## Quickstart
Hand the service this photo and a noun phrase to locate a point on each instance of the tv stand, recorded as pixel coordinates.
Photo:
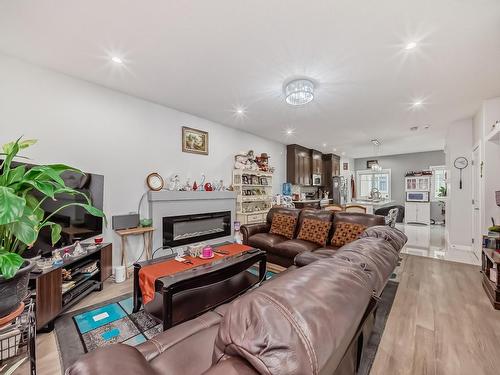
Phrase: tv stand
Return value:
(47, 286)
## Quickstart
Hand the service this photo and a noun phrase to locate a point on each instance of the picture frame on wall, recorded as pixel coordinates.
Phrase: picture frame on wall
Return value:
(345, 166)
(369, 163)
(194, 141)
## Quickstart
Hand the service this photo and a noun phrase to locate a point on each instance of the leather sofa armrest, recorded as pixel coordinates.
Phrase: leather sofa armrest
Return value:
(307, 257)
(248, 230)
(231, 366)
(112, 360)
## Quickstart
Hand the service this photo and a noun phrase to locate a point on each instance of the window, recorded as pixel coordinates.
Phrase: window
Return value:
(438, 184)
(368, 180)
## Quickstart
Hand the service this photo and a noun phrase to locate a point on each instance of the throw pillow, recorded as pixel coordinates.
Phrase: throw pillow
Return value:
(314, 231)
(346, 232)
(284, 225)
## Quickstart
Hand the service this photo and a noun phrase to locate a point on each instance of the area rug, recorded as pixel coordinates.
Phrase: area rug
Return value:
(112, 321)
(383, 310)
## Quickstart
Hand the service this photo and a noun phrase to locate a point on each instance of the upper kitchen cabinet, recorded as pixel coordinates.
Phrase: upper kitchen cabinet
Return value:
(331, 167)
(317, 162)
(298, 165)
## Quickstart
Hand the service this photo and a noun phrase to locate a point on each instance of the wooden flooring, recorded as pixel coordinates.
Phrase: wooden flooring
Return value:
(441, 323)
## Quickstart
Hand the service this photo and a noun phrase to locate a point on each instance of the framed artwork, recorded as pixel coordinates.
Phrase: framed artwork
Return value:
(369, 163)
(345, 166)
(194, 141)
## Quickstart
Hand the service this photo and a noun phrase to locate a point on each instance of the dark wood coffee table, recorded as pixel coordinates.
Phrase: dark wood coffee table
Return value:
(184, 295)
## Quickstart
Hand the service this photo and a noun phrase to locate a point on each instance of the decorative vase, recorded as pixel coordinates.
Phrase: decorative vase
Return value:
(14, 291)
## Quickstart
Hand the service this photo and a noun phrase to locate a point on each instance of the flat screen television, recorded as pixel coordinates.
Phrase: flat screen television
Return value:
(77, 224)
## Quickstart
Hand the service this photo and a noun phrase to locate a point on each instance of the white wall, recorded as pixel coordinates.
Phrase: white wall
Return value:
(122, 137)
(486, 116)
(459, 141)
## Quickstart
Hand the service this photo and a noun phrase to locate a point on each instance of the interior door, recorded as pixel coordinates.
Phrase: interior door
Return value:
(476, 202)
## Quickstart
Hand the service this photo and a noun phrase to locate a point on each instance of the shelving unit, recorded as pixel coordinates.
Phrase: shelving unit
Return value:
(254, 198)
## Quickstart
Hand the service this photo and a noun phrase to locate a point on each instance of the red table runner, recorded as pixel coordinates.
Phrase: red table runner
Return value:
(149, 274)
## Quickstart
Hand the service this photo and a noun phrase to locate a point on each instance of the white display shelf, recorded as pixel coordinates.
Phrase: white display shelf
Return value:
(494, 135)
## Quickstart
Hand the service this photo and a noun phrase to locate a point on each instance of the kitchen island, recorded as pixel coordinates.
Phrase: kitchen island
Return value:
(373, 205)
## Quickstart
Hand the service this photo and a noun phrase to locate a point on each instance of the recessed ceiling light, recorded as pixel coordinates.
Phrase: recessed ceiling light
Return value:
(410, 45)
(375, 142)
(240, 111)
(343, 153)
(117, 60)
(414, 128)
(290, 131)
(427, 126)
(324, 144)
(417, 103)
(334, 149)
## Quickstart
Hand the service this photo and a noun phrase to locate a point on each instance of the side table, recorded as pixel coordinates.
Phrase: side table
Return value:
(147, 236)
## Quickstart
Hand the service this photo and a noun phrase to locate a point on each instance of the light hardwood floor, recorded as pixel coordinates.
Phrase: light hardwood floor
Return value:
(441, 323)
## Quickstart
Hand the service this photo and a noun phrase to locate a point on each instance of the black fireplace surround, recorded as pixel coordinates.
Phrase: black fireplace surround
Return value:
(187, 229)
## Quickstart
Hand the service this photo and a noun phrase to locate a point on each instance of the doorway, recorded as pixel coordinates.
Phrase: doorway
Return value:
(477, 239)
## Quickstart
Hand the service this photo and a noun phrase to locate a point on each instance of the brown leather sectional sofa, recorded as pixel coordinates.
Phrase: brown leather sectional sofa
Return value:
(313, 319)
(281, 250)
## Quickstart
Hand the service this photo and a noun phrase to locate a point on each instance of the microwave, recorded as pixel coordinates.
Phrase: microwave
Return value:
(417, 196)
(316, 179)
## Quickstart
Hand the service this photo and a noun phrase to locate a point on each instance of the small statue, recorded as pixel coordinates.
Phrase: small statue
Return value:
(174, 183)
(208, 187)
(202, 182)
(187, 186)
(263, 162)
(195, 186)
(245, 161)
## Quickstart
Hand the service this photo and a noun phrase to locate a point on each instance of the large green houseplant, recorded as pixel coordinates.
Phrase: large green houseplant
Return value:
(21, 215)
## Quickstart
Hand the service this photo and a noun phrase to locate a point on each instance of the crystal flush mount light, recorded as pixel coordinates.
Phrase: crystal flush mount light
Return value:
(299, 92)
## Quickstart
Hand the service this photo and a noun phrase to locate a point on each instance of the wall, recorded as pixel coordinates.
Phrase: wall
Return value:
(120, 136)
(400, 164)
(459, 142)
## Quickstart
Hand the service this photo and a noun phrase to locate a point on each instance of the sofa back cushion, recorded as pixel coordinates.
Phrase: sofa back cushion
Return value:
(281, 210)
(346, 232)
(315, 231)
(367, 220)
(283, 225)
(299, 323)
(394, 236)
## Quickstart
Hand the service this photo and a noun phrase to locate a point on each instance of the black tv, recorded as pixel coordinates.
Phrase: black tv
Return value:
(77, 224)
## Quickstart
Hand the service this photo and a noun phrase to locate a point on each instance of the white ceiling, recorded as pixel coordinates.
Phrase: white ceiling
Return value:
(208, 57)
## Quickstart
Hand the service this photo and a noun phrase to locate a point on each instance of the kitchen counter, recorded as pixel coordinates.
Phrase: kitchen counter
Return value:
(372, 206)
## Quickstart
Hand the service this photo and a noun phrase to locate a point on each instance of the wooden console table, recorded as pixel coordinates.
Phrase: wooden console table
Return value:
(147, 236)
(490, 260)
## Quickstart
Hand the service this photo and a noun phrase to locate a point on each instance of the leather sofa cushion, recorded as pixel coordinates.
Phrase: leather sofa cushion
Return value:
(358, 218)
(284, 225)
(346, 232)
(394, 236)
(305, 258)
(291, 307)
(315, 231)
(291, 248)
(265, 241)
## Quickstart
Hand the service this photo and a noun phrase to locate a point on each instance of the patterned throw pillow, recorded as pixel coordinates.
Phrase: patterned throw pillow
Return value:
(314, 231)
(346, 232)
(284, 225)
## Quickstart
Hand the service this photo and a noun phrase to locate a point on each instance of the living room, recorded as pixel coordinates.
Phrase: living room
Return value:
(247, 166)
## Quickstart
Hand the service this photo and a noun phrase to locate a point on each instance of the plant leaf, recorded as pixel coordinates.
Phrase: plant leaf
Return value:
(25, 228)
(44, 172)
(55, 234)
(32, 203)
(15, 175)
(46, 188)
(9, 264)
(11, 204)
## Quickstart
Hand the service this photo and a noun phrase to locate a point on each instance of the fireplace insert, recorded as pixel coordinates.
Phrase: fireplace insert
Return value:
(186, 229)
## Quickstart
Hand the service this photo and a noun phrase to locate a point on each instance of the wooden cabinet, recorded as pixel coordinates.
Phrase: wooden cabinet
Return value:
(317, 162)
(298, 165)
(331, 167)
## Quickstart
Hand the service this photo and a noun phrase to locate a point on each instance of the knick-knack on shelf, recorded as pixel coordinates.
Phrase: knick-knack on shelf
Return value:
(195, 186)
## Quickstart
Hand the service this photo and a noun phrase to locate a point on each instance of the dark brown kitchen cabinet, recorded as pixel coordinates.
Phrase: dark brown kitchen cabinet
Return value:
(331, 167)
(317, 162)
(298, 165)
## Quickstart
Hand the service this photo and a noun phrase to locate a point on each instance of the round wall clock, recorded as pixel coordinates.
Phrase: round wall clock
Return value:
(461, 163)
(154, 181)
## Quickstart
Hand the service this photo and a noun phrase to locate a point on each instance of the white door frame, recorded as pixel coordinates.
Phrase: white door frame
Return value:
(476, 226)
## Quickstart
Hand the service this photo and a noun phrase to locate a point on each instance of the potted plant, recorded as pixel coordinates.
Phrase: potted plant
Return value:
(22, 218)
